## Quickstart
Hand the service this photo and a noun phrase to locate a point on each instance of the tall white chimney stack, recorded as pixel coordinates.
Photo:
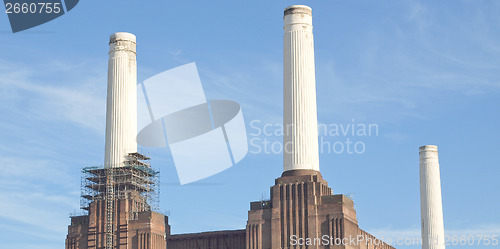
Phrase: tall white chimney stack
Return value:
(430, 199)
(121, 109)
(300, 140)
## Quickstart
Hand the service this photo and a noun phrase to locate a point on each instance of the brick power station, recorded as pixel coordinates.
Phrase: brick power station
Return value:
(120, 196)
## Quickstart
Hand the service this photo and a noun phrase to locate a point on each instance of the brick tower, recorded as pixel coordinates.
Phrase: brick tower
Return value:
(120, 196)
(302, 212)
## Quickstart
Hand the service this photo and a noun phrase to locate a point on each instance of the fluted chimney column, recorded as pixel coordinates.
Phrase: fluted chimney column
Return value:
(121, 108)
(430, 199)
(300, 140)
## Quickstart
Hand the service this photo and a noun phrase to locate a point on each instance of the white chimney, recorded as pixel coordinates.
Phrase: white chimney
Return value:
(300, 140)
(121, 108)
(430, 199)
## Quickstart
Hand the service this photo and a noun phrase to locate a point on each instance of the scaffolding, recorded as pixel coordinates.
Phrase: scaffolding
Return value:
(134, 179)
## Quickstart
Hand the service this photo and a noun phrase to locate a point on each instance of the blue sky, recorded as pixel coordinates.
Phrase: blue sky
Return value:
(425, 72)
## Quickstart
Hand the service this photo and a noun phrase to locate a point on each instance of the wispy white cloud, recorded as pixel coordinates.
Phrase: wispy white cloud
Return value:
(425, 54)
(36, 197)
(44, 107)
(56, 91)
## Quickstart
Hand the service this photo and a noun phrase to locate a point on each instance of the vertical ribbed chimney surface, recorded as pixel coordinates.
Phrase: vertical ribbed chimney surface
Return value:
(300, 140)
(121, 108)
(430, 199)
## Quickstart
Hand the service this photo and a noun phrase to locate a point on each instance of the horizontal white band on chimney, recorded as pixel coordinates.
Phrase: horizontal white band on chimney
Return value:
(430, 199)
(300, 138)
(121, 108)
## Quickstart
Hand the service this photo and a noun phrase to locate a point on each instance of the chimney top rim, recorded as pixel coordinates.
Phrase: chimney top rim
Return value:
(428, 148)
(122, 36)
(298, 9)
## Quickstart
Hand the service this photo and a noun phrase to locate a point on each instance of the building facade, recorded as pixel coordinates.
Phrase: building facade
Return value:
(301, 213)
